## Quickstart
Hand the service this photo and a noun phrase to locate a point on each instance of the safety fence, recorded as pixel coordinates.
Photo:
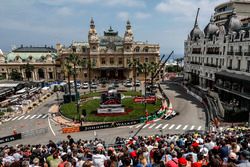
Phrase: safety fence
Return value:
(10, 138)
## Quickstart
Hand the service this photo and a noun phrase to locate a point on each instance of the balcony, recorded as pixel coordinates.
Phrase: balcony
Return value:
(230, 53)
(192, 62)
(210, 65)
(213, 53)
(247, 54)
(238, 53)
(196, 52)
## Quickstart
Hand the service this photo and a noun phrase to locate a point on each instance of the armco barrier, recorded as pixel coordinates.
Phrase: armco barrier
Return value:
(10, 138)
(109, 125)
(71, 129)
(94, 127)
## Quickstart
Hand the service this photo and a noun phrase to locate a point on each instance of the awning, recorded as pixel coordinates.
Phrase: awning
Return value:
(225, 74)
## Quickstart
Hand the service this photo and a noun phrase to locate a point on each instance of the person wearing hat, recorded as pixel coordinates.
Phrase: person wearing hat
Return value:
(244, 159)
(182, 162)
(174, 161)
(36, 162)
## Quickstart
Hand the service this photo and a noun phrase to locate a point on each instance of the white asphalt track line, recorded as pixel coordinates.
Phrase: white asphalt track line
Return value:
(145, 126)
(32, 116)
(192, 127)
(185, 127)
(45, 116)
(51, 128)
(20, 117)
(164, 126)
(171, 126)
(199, 128)
(157, 127)
(27, 116)
(14, 118)
(6, 120)
(38, 116)
(152, 126)
(178, 127)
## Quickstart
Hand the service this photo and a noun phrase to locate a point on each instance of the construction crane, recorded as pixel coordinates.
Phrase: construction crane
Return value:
(161, 66)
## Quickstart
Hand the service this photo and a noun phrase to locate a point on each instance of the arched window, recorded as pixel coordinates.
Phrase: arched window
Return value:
(145, 49)
(137, 49)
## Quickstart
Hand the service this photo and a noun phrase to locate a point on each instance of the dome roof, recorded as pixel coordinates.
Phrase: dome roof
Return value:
(211, 28)
(234, 23)
(196, 32)
(111, 36)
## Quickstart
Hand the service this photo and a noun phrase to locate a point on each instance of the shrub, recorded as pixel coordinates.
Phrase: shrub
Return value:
(29, 108)
(34, 104)
(48, 95)
(40, 101)
(9, 109)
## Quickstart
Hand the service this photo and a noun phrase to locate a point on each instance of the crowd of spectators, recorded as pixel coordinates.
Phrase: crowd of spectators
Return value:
(204, 149)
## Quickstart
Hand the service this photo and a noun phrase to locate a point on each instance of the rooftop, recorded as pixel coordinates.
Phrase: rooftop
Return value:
(44, 49)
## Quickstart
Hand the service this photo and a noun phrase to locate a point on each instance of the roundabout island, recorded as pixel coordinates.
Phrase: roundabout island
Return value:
(132, 108)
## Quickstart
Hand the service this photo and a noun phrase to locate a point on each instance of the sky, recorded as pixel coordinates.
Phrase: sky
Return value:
(47, 22)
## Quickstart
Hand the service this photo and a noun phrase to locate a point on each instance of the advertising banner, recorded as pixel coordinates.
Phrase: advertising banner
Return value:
(10, 138)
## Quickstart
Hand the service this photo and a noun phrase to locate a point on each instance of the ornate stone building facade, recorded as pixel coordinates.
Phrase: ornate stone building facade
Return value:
(108, 56)
(43, 59)
(218, 58)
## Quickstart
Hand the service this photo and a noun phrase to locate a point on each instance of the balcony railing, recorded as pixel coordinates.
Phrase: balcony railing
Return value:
(230, 53)
(210, 65)
(192, 62)
(247, 53)
(238, 53)
(213, 53)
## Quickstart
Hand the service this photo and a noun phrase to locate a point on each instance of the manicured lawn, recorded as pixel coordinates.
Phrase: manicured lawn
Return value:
(69, 110)
(131, 93)
(94, 94)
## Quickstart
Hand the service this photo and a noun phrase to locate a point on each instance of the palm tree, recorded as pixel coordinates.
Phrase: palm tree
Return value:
(16, 76)
(144, 68)
(178, 61)
(152, 68)
(135, 65)
(28, 68)
(74, 59)
(87, 63)
(69, 73)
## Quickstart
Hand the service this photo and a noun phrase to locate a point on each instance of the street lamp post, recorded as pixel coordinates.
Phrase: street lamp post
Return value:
(78, 110)
(233, 104)
(145, 98)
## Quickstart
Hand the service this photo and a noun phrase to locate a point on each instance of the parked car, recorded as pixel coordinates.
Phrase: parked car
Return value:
(93, 85)
(85, 85)
(137, 83)
(128, 84)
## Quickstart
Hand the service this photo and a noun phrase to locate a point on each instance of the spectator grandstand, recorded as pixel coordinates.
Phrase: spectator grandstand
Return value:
(193, 149)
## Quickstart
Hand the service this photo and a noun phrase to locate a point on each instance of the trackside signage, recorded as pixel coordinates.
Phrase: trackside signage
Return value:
(109, 125)
(10, 138)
